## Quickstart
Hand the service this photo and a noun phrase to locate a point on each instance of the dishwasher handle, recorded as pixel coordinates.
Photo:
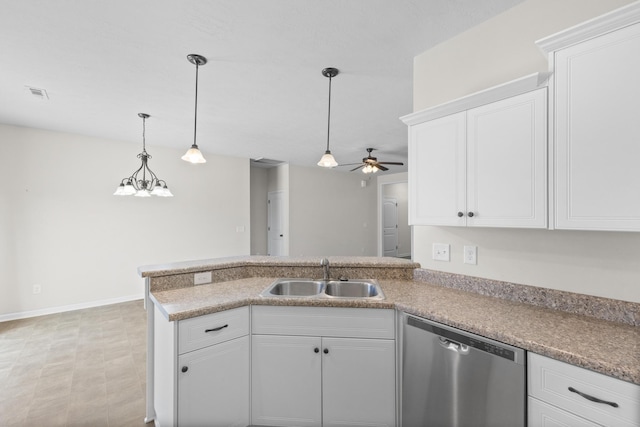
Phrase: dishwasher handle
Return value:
(453, 345)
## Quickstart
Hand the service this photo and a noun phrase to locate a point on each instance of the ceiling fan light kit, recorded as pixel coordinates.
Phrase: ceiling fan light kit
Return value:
(148, 185)
(193, 155)
(327, 160)
(371, 164)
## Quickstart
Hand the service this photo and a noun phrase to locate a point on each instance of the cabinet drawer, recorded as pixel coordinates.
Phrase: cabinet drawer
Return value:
(323, 321)
(544, 415)
(553, 381)
(203, 331)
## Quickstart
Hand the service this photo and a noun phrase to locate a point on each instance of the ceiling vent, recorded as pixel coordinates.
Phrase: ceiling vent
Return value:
(37, 93)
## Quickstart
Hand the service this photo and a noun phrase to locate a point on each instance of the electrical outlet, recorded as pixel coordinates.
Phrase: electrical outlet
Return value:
(202, 278)
(470, 255)
(37, 289)
(441, 252)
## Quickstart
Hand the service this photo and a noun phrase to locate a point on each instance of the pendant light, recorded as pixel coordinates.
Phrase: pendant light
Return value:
(193, 155)
(327, 160)
(148, 184)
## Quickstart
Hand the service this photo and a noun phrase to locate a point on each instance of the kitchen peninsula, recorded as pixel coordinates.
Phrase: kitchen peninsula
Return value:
(576, 329)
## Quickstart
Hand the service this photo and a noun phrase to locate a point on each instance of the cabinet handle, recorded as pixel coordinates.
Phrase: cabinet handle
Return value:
(593, 399)
(316, 350)
(185, 368)
(325, 351)
(216, 329)
(460, 214)
(470, 214)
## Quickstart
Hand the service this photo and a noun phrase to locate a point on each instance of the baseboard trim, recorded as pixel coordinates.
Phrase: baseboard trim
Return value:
(64, 308)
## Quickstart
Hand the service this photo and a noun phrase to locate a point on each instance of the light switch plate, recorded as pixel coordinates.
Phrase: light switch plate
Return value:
(202, 278)
(470, 255)
(441, 252)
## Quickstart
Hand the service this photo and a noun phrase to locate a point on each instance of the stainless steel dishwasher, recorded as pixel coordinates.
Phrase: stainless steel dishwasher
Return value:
(451, 378)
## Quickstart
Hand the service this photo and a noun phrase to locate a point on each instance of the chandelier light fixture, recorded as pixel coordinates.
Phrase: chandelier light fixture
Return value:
(193, 155)
(327, 160)
(143, 182)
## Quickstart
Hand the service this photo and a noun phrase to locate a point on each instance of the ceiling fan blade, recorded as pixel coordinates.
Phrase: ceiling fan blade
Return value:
(355, 169)
(391, 163)
(382, 168)
(349, 164)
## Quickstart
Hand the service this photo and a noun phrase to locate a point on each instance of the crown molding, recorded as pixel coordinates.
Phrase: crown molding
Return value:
(616, 19)
(496, 93)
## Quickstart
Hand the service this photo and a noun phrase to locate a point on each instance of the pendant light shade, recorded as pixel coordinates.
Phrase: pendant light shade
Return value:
(327, 160)
(143, 182)
(193, 155)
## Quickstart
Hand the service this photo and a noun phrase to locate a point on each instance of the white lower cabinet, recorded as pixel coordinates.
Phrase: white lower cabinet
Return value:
(561, 394)
(544, 415)
(213, 385)
(201, 370)
(337, 370)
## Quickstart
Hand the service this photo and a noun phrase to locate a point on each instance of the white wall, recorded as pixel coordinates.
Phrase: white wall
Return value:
(501, 49)
(331, 213)
(61, 227)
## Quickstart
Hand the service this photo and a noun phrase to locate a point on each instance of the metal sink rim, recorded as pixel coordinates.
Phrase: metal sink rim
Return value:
(322, 294)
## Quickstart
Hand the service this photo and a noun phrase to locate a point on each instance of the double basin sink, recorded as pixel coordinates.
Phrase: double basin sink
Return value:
(313, 288)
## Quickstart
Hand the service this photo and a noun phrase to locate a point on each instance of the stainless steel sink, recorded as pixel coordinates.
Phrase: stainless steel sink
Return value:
(324, 289)
(352, 289)
(295, 288)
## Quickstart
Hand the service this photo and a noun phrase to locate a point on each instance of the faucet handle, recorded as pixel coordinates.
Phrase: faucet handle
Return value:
(324, 261)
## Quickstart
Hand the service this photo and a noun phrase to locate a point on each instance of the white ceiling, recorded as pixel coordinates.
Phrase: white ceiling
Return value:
(261, 94)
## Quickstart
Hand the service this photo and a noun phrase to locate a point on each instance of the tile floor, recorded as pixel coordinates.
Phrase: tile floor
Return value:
(79, 368)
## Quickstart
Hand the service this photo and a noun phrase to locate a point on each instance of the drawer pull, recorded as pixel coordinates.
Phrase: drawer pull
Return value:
(593, 399)
(219, 328)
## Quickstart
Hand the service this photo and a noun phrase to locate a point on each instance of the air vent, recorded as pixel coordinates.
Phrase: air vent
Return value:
(37, 93)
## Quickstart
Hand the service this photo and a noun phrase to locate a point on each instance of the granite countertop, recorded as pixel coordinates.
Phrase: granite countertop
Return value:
(603, 346)
(170, 269)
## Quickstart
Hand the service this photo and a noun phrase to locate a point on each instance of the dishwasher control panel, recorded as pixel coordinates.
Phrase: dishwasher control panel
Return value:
(482, 344)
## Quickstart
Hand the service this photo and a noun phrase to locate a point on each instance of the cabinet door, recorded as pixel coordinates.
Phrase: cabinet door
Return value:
(358, 382)
(286, 381)
(597, 133)
(214, 390)
(507, 162)
(437, 171)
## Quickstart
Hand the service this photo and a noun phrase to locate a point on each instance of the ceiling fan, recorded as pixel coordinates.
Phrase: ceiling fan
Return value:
(371, 164)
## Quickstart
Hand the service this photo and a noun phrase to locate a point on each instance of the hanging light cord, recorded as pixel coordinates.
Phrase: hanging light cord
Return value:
(195, 119)
(329, 115)
(144, 128)
(144, 156)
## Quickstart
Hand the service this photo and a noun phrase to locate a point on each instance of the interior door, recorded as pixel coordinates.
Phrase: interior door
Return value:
(275, 223)
(390, 227)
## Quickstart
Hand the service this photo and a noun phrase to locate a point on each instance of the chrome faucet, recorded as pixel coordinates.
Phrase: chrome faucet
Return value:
(324, 262)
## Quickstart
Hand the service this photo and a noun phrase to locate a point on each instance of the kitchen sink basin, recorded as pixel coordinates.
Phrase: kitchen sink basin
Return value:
(352, 289)
(295, 288)
(324, 289)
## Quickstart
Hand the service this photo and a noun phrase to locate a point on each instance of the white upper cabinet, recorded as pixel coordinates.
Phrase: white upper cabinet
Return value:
(507, 162)
(596, 132)
(437, 171)
(484, 166)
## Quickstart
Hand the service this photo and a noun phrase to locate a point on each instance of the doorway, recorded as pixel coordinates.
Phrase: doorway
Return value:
(275, 223)
(390, 227)
(395, 237)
